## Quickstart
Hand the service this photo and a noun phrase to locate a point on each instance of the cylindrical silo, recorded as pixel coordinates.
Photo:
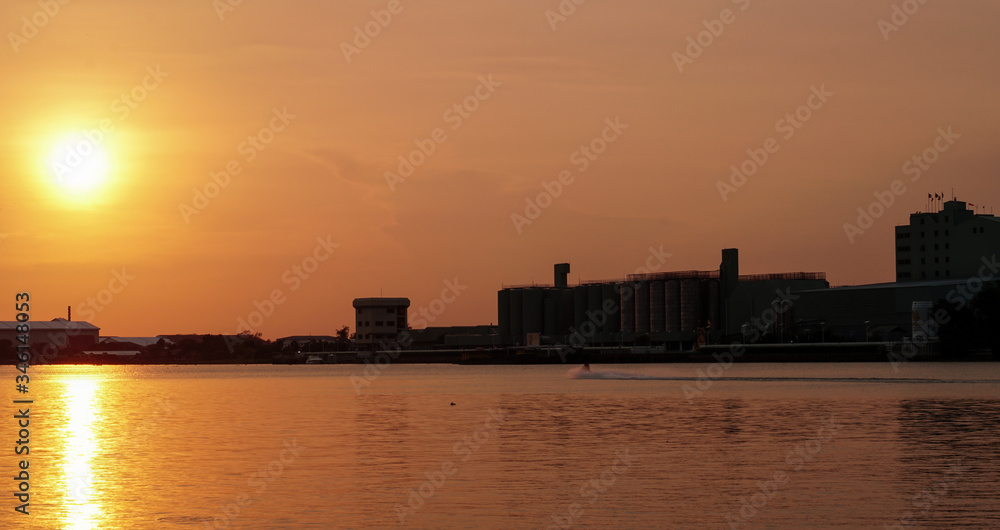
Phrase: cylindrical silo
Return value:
(628, 307)
(610, 307)
(534, 307)
(564, 313)
(690, 304)
(713, 303)
(550, 308)
(657, 306)
(503, 314)
(594, 295)
(580, 305)
(517, 315)
(641, 307)
(673, 302)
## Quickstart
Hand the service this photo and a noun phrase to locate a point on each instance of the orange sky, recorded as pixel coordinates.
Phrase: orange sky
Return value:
(323, 175)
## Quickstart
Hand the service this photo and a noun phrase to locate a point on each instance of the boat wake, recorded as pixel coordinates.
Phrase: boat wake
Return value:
(581, 373)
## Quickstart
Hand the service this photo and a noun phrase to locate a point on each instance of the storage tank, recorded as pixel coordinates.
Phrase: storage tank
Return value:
(713, 304)
(550, 307)
(564, 313)
(690, 304)
(533, 307)
(657, 306)
(922, 327)
(673, 303)
(613, 324)
(517, 315)
(594, 298)
(580, 305)
(641, 307)
(503, 314)
(627, 297)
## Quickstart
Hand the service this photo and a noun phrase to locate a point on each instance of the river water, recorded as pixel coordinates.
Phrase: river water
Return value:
(624, 446)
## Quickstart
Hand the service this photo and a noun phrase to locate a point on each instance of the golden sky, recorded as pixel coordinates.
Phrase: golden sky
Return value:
(181, 86)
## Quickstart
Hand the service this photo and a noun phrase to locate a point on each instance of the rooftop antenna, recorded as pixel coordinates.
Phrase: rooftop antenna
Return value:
(69, 313)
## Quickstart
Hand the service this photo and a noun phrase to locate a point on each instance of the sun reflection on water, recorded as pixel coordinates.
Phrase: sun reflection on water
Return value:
(81, 502)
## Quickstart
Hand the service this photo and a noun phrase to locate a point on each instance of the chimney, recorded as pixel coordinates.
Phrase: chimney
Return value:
(69, 313)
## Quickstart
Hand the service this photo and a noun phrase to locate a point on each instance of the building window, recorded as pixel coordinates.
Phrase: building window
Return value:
(923, 261)
(947, 246)
(902, 249)
(947, 232)
(902, 262)
(947, 259)
(923, 274)
(947, 273)
(935, 246)
(921, 220)
(903, 275)
(921, 234)
(935, 233)
(935, 260)
(936, 274)
(923, 247)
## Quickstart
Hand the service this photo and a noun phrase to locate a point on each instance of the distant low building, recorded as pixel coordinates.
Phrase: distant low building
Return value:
(304, 339)
(455, 337)
(138, 341)
(58, 333)
(117, 353)
(379, 319)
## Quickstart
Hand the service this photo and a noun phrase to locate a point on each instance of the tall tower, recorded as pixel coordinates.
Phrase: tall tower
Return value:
(729, 278)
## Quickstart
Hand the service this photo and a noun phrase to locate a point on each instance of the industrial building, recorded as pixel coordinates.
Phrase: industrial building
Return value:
(59, 333)
(950, 243)
(675, 310)
(379, 319)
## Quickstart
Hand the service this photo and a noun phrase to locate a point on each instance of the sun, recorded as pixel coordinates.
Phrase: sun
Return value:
(78, 164)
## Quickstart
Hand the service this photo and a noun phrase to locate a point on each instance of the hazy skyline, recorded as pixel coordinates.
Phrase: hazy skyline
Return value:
(332, 115)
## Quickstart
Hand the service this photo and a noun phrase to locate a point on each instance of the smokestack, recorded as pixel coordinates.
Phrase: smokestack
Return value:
(69, 312)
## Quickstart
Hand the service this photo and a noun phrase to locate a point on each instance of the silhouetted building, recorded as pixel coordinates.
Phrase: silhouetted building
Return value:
(379, 319)
(58, 332)
(951, 243)
(671, 309)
